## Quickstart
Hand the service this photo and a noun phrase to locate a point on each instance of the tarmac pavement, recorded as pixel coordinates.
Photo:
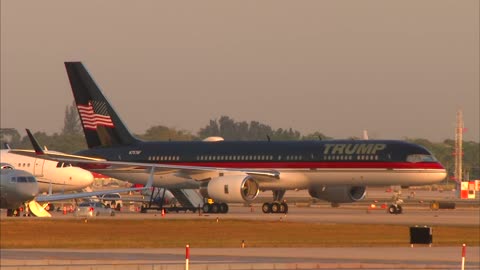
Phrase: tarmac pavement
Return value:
(418, 257)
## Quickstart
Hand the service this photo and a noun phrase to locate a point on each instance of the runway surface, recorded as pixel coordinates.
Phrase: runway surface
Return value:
(412, 215)
(416, 212)
(418, 257)
(247, 258)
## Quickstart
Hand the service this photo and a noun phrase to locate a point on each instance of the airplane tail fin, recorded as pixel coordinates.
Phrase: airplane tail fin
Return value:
(100, 122)
(35, 144)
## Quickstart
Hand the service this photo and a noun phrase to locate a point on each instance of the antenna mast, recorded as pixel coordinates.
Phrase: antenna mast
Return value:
(458, 147)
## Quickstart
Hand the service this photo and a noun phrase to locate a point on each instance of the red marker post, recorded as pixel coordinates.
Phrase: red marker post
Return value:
(187, 256)
(464, 251)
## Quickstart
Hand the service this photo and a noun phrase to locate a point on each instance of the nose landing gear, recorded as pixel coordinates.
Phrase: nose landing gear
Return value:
(395, 207)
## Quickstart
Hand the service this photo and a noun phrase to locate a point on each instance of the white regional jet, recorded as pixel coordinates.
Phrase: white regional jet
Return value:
(52, 176)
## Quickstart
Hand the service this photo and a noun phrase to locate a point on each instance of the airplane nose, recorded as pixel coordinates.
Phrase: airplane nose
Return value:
(443, 175)
(83, 178)
(86, 178)
(28, 191)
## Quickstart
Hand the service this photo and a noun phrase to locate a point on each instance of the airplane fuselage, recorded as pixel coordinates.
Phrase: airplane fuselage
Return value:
(301, 163)
(57, 175)
(16, 187)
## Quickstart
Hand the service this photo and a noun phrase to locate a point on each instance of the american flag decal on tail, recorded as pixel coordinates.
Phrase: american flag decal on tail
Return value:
(95, 114)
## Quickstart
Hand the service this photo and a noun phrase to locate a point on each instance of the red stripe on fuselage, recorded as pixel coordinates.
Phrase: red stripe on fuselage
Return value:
(310, 165)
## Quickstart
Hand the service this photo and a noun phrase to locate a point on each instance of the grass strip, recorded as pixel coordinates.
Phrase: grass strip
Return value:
(111, 233)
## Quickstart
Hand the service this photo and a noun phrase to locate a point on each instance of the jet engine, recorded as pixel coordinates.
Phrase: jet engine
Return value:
(339, 194)
(6, 166)
(231, 189)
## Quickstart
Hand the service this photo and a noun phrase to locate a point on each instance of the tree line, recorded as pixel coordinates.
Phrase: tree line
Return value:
(71, 139)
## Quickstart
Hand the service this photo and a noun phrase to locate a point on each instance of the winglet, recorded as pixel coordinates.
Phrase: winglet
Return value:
(36, 145)
(365, 134)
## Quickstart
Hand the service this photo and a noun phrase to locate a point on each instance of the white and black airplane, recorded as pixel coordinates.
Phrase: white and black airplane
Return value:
(337, 171)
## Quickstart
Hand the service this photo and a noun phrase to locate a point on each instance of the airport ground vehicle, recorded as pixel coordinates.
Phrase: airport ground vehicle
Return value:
(90, 209)
(112, 200)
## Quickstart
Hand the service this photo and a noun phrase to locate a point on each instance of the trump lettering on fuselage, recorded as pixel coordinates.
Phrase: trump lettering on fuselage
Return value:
(351, 148)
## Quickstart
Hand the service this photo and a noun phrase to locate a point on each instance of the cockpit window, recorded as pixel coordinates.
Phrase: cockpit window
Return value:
(420, 158)
(63, 164)
(22, 179)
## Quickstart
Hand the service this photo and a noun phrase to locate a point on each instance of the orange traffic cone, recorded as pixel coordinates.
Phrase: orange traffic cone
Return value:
(163, 212)
(64, 210)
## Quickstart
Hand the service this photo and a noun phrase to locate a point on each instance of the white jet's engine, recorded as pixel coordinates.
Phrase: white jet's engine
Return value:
(231, 189)
(6, 166)
(339, 194)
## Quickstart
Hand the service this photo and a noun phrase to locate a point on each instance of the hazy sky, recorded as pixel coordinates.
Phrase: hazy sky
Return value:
(396, 68)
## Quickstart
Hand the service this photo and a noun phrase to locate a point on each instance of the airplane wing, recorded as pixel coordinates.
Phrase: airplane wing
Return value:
(198, 173)
(38, 152)
(59, 197)
(39, 210)
(50, 155)
(107, 167)
(38, 204)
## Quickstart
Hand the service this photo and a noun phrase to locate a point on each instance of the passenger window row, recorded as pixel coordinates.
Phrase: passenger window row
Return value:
(164, 158)
(234, 157)
(350, 157)
(23, 164)
(263, 157)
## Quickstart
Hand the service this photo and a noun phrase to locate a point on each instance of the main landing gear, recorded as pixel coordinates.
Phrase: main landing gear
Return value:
(214, 208)
(276, 207)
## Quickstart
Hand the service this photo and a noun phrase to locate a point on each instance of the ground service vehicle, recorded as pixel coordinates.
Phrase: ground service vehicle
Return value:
(112, 200)
(92, 209)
